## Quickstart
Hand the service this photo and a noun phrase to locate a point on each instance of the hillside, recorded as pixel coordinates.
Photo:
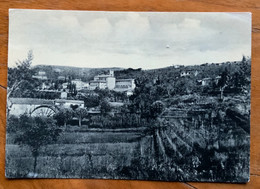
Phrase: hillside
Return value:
(85, 74)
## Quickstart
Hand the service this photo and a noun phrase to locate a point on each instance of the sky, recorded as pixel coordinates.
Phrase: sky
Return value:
(146, 40)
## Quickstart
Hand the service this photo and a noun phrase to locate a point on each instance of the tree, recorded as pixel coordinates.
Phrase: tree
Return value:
(20, 74)
(80, 114)
(223, 82)
(20, 79)
(245, 66)
(13, 124)
(105, 107)
(64, 116)
(91, 101)
(237, 81)
(36, 132)
(245, 74)
(72, 87)
(156, 109)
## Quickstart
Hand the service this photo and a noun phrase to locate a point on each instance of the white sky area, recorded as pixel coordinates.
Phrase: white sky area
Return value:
(145, 40)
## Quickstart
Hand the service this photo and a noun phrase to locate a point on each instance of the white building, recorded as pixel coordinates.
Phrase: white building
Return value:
(63, 95)
(103, 81)
(205, 81)
(64, 85)
(104, 76)
(68, 103)
(57, 70)
(80, 84)
(123, 85)
(61, 78)
(97, 84)
(45, 86)
(110, 82)
(41, 75)
(189, 72)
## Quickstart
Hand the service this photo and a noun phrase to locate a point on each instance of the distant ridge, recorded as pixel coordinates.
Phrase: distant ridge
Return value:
(75, 67)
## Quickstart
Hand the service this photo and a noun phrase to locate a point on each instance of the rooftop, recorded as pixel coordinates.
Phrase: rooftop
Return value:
(124, 80)
(31, 101)
(103, 75)
(70, 101)
(97, 81)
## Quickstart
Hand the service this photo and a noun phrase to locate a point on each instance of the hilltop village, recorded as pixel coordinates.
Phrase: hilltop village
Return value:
(110, 89)
(66, 92)
(100, 81)
(157, 116)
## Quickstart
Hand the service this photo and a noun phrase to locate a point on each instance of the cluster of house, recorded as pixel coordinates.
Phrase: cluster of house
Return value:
(101, 81)
(46, 107)
(79, 84)
(109, 81)
(202, 82)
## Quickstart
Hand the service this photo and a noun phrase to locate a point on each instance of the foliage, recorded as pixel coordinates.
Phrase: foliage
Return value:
(72, 87)
(201, 128)
(80, 113)
(128, 73)
(20, 81)
(104, 107)
(126, 120)
(91, 101)
(13, 124)
(63, 116)
(156, 108)
(22, 71)
(36, 132)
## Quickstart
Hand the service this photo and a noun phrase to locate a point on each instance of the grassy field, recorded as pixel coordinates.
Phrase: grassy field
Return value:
(78, 155)
(197, 139)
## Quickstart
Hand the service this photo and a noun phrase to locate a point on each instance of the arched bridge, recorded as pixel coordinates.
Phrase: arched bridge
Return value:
(40, 107)
(44, 110)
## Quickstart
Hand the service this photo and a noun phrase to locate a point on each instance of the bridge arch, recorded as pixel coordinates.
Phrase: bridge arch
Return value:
(44, 111)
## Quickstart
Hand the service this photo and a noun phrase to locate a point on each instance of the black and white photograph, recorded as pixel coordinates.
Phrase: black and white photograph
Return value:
(129, 95)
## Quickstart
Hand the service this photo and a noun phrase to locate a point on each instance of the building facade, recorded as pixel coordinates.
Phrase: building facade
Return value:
(64, 103)
(124, 85)
(103, 81)
(41, 75)
(108, 81)
(80, 84)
